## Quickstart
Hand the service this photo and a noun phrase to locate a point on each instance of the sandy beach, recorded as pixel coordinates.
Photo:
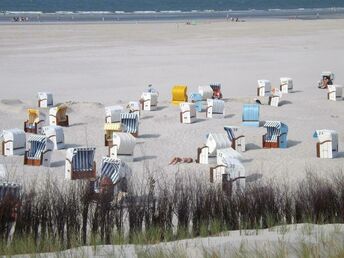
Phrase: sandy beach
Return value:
(89, 66)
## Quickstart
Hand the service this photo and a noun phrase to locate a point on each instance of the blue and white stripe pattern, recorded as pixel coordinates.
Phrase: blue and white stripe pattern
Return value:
(111, 168)
(83, 159)
(218, 106)
(130, 122)
(273, 130)
(9, 189)
(37, 146)
(230, 133)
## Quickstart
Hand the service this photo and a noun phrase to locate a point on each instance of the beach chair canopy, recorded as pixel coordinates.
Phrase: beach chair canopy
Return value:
(152, 96)
(179, 94)
(195, 97)
(231, 130)
(206, 92)
(16, 136)
(227, 153)
(276, 92)
(54, 131)
(274, 129)
(34, 116)
(265, 83)
(125, 143)
(114, 169)
(59, 112)
(37, 146)
(217, 141)
(215, 86)
(113, 114)
(9, 190)
(130, 122)
(250, 112)
(187, 106)
(110, 127)
(81, 158)
(325, 135)
(327, 74)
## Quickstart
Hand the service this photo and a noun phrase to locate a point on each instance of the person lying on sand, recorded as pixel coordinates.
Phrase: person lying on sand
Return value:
(176, 160)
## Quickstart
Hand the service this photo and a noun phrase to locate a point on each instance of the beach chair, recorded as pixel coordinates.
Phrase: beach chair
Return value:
(134, 107)
(130, 123)
(13, 142)
(203, 155)
(188, 113)
(334, 92)
(56, 135)
(122, 144)
(57, 116)
(10, 200)
(39, 151)
(237, 142)
(216, 87)
(113, 114)
(215, 108)
(80, 163)
(179, 94)
(114, 176)
(45, 99)
(217, 141)
(149, 101)
(109, 129)
(230, 175)
(274, 98)
(206, 92)
(35, 121)
(196, 98)
(327, 78)
(264, 88)
(276, 136)
(223, 154)
(250, 115)
(327, 145)
(286, 85)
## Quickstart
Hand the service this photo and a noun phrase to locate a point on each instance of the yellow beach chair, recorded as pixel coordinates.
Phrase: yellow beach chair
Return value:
(179, 94)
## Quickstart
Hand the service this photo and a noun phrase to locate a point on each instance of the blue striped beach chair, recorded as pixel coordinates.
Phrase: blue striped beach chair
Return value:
(250, 115)
(39, 152)
(239, 142)
(80, 163)
(130, 123)
(276, 135)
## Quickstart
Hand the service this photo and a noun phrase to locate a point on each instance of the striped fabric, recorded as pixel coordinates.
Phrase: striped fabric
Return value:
(9, 189)
(230, 132)
(130, 122)
(110, 168)
(273, 130)
(218, 106)
(83, 159)
(37, 146)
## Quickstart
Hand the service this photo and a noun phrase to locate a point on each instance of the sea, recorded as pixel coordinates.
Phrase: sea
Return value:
(165, 10)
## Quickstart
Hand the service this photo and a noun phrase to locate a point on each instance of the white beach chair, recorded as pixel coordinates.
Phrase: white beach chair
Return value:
(123, 144)
(188, 113)
(203, 155)
(334, 92)
(264, 88)
(237, 142)
(80, 163)
(230, 175)
(286, 85)
(45, 99)
(13, 142)
(149, 101)
(206, 92)
(217, 141)
(113, 114)
(39, 151)
(327, 145)
(56, 135)
(223, 154)
(114, 175)
(57, 116)
(215, 107)
(35, 121)
(275, 97)
(134, 107)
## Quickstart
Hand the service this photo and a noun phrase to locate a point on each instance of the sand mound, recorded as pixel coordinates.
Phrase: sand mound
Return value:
(11, 102)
